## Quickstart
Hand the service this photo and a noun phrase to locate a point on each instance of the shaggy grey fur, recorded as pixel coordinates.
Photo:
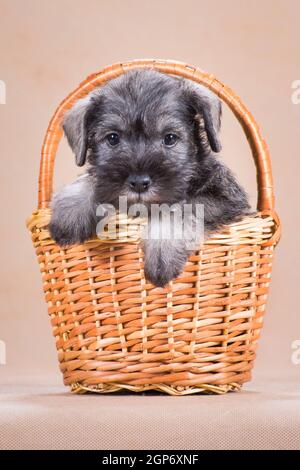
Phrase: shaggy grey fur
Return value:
(141, 108)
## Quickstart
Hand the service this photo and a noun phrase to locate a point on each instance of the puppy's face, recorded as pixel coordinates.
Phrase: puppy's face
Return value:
(143, 137)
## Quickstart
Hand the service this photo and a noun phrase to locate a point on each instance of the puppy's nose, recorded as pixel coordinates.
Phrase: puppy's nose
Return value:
(139, 183)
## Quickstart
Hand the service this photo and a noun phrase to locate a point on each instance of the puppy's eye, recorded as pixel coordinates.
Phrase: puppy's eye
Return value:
(170, 140)
(113, 139)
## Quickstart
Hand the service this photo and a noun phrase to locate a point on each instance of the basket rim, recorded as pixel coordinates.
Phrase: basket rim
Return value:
(40, 219)
(78, 388)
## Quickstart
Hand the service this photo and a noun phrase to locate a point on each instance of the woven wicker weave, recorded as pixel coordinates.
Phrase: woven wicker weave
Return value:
(113, 329)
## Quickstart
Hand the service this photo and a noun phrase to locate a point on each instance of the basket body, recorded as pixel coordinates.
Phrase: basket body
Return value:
(114, 330)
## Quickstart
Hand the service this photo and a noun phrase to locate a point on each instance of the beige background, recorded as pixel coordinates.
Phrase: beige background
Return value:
(48, 47)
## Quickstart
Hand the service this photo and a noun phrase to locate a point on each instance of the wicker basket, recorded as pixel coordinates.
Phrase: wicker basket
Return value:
(114, 330)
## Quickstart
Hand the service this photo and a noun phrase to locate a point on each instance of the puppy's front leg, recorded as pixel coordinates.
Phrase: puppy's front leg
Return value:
(170, 240)
(164, 254)
(74, 213)
(164, 260)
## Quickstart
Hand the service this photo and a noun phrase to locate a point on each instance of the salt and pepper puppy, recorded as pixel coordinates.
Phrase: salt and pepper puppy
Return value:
(153, 138)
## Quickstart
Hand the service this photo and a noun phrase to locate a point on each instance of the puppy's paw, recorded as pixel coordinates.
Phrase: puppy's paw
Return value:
(163, 261)
(65, 233)
(73, 213)
(61, 234)
(160, 275)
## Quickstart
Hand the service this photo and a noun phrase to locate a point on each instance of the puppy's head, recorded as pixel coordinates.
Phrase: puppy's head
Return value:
(144, 134)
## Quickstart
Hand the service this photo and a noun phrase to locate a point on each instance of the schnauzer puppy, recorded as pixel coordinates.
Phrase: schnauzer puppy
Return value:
(152, 138)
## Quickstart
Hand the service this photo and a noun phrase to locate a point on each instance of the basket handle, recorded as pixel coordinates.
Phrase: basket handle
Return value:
(258, 145)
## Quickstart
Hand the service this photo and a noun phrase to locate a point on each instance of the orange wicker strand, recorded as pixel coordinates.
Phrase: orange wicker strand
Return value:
(113, 329)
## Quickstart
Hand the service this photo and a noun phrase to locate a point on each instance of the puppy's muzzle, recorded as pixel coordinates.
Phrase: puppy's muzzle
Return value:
(139, 183)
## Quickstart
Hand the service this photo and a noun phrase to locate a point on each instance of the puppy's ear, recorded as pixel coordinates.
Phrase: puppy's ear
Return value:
(208, 106)
(75, 128)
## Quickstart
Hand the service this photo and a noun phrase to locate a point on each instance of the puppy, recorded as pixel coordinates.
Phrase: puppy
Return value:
(152, 138)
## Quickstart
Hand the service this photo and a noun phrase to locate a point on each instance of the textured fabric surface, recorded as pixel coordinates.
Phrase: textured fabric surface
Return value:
(265, 415)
